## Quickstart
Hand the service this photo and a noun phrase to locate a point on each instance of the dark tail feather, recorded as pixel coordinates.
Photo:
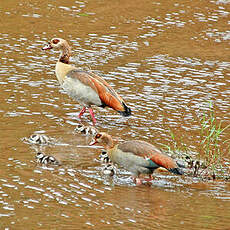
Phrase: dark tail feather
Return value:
(177, 171)
(127, 111)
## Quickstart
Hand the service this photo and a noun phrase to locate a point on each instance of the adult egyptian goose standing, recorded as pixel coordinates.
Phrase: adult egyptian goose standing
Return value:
(138, 157)
(86, 88)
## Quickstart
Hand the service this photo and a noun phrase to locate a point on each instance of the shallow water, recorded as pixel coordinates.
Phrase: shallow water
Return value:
(167, 59)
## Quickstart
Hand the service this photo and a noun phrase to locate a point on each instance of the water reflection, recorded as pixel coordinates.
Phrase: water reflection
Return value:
(167, 60)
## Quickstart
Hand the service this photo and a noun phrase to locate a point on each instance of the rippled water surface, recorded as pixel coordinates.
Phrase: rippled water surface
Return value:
(167, 59)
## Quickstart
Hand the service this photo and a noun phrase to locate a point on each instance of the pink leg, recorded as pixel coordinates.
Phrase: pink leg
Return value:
(137, 180)
(82, 112)
(148, 179)
(92, 115)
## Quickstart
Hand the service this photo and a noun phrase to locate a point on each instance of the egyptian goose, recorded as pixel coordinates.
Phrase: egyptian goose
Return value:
(86, 88)
(46, 160)
(104, 158)
(87, 130)
(138, 157)
(39, 139)
(109, 170)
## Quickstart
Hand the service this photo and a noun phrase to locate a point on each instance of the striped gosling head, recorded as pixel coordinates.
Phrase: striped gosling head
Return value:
(46, 160)
(39, 139)
(109, 169)
(104, 158)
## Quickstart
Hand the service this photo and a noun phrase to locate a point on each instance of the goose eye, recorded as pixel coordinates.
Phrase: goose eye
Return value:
(98, 136)
(55, 41)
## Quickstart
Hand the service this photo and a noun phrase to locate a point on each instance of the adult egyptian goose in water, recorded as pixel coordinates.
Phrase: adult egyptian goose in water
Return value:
(138, 157)
(86, 88)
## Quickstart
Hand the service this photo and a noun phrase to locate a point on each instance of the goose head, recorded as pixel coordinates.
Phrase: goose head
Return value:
(63, 46)
(56, 43)
(103, 139)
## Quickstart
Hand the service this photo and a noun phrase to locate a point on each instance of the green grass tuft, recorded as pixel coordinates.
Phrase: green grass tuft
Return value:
(211, 131)
(210, 145)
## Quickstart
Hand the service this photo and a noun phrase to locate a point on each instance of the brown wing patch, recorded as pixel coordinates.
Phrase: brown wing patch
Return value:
(106, 97)
(148, 151)
(106, 93)
(105, 83)
(139, 148)
(163, 160)
(83, 77)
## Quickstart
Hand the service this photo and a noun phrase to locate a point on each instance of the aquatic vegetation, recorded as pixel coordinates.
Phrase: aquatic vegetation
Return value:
(208, 162)
(211, 131)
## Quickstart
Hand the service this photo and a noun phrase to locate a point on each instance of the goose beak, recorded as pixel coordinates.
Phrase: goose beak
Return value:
(47, 47)
(93, 142)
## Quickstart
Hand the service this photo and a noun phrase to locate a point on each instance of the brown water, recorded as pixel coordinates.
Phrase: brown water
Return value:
(167, 59)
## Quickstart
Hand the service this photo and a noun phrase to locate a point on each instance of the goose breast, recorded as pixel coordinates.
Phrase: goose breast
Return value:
(82, 93)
